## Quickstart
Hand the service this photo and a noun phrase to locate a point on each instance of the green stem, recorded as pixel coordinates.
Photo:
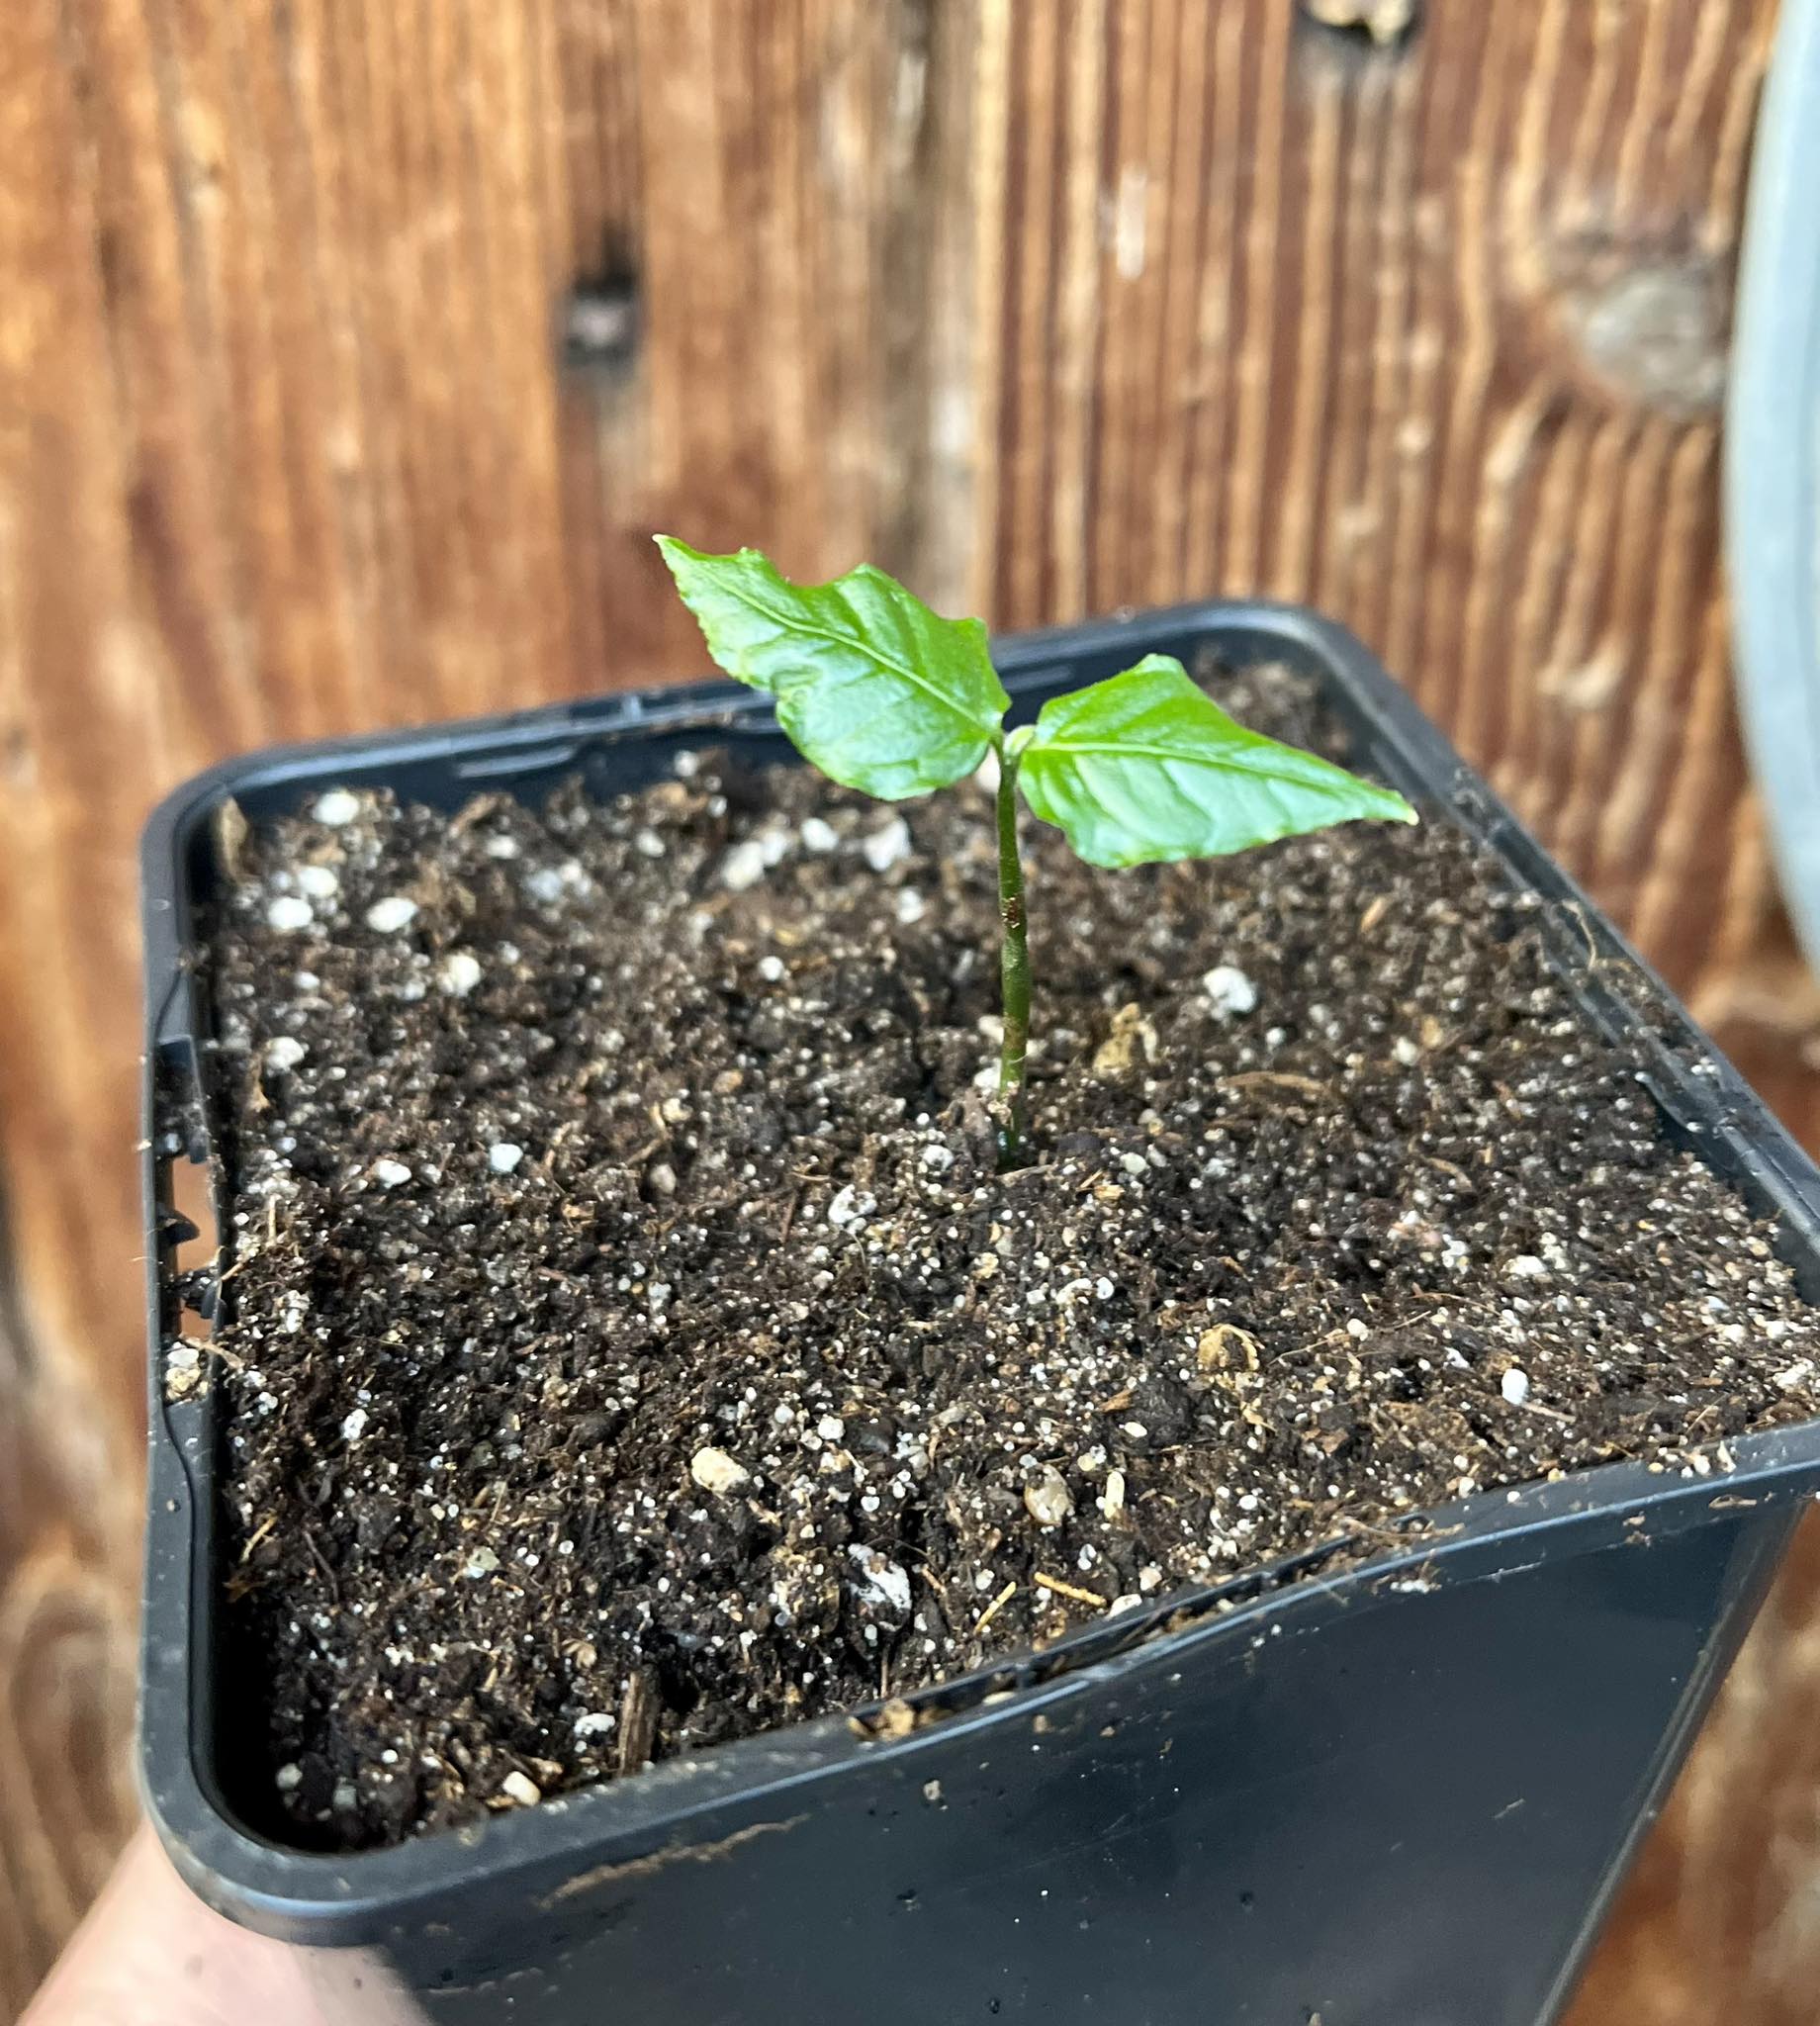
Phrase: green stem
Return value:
(1014, 968)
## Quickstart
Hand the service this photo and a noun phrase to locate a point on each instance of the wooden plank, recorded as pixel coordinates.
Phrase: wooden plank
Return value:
(1052, 304)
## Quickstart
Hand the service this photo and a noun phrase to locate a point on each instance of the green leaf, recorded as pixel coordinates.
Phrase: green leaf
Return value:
(878, 692)
(1145, 765)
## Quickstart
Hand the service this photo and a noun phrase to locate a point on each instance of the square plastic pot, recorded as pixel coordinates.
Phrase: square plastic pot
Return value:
(1397, 1794)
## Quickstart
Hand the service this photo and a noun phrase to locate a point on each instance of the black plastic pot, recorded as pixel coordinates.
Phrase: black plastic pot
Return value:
(1400, 1795)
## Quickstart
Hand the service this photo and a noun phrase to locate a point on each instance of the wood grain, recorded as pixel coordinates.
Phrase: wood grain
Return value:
(350, 354)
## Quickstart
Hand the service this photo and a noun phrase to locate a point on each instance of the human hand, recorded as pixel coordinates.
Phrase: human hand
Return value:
(151, 1954)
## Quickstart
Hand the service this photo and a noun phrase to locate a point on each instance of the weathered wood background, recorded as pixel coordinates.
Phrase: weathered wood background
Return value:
(349, 354)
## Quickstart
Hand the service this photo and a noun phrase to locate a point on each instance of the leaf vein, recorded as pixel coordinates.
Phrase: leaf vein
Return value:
(788, 624)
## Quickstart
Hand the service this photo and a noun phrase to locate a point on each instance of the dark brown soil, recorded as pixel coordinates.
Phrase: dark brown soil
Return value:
(632, 1346)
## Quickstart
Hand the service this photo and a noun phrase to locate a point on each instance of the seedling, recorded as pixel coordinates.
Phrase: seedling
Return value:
(889, 697)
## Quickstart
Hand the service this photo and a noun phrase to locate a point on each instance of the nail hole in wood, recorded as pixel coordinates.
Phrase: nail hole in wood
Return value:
(600, 325)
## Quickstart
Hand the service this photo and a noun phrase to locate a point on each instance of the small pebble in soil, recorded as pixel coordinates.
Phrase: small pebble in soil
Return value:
(850, 1206)
(715, 1471)
(338, 808)
(395, 911)
(884, 1582)
(502, 1157)
(1514, 1385)
(1228, 991)
(289, 912)
(521, 1790)
(285, 1052)
(887, 846)
(391, 1174)
(1048, 1498)
(182, 1370)
(460, 973)
(321, 882)
(743, 866)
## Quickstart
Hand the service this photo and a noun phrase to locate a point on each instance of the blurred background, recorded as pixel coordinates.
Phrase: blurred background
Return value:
(351, 352)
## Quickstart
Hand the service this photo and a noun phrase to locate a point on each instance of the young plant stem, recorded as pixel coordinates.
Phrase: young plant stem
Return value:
(1014, 969)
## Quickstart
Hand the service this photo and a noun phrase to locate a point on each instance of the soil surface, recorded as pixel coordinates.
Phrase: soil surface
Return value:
(632, 1346)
